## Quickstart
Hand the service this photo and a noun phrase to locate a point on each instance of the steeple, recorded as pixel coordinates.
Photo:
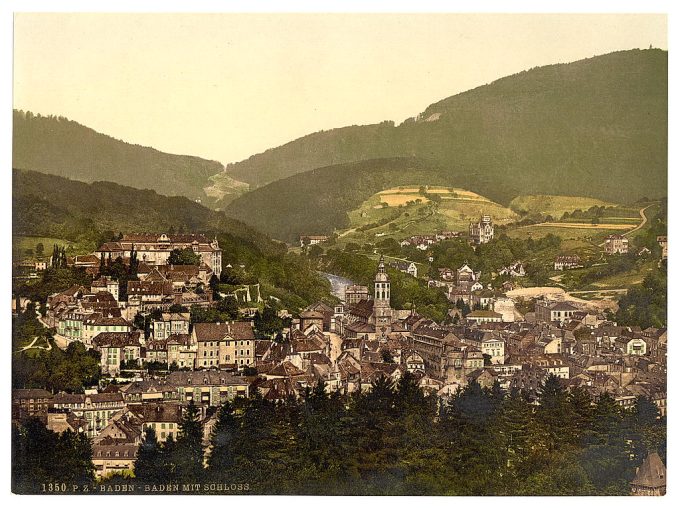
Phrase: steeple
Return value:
(381, 303)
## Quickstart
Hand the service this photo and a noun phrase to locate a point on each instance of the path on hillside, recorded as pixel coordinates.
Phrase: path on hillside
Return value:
(639, 226)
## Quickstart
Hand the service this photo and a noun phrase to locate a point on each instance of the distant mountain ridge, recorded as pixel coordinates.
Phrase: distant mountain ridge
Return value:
(58, 146)
(596, 127)
(54, 206)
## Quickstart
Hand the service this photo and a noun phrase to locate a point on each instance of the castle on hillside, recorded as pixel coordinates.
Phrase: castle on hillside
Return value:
(482, 231)
(154, 249)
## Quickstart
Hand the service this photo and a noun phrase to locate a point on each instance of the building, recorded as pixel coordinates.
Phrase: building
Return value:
(154, 249)
(224, 345)
(663, 243)
(482, 231)
(484, 316)
(408, 267)
(558, 311)
(616, 244)
(382, 311)
(170, 324)
(105, 284)
(30, 402)
(312, 240)
(213, 388)
(567, 263)
(116, 348)
(650, 477)
(355, 293)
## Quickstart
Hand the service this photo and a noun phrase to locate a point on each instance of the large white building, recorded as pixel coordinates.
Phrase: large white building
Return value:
(482, 231)
(154, 249)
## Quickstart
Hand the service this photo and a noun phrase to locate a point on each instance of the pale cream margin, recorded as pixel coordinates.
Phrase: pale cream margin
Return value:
(490, 6)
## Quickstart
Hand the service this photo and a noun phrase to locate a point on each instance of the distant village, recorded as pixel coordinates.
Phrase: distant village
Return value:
(151, 375)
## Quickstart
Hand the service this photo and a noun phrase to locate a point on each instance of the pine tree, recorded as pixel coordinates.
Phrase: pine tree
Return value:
(148, 465)
(188, 456)
(221, 459)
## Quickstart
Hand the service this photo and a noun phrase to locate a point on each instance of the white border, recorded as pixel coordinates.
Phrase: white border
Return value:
(263, 6)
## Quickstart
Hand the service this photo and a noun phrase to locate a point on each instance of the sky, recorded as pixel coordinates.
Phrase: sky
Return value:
(227, 86)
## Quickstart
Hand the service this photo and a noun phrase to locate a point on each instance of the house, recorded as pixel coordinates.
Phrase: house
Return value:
(116, 348)
(164, 418)
(482, 231)
(96, 408)
(494, 347)
(446, 274)
(514, 270)
(650, 477)
(407, 267)
(224, 345)
(149, 293)
(567, 263)
(558, 311)
(312, 240)
(114, 450)
(105, 284)
(354, 293)
(30, 402)
(97, 323)
(484, 316)
(663, 242)
(170, 324)
(616, 244)
(210, 387)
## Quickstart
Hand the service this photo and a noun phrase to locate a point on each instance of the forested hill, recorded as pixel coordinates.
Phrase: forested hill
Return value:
(62, 147)
(52, 206)
(316, 202)
(595, 127)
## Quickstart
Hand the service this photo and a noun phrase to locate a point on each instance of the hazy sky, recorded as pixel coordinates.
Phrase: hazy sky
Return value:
(227, 86)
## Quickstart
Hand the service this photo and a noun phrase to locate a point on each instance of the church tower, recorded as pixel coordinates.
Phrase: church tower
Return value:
(382, 312)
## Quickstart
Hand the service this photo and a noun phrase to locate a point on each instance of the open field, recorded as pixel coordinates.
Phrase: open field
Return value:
(22, 244)
(400, 212)
(566, 232)
(626, 279)
(586, 225)
(556, 206)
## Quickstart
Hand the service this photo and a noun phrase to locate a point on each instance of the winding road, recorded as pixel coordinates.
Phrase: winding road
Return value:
(641, 225)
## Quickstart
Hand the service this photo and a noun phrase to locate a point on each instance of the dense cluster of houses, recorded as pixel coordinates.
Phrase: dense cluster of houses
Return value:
(347, 346)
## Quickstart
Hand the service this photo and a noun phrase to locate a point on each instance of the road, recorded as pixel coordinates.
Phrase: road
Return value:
(641, 225)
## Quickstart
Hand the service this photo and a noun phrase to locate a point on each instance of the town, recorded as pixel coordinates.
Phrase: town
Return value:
(158, 353)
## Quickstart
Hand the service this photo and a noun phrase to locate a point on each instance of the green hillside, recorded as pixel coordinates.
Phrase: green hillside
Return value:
(403, 211)
(66, 211)
(52, 206)
(318, 201)
(62, 147)
(595, 128)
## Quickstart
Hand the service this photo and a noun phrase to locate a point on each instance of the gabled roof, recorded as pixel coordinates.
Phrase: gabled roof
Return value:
(239, 330)
(116, 339)
(652, 472)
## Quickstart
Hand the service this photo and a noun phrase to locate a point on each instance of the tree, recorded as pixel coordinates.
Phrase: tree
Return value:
(39, 249)
(149, 464)
(184, 257)
(187, 453)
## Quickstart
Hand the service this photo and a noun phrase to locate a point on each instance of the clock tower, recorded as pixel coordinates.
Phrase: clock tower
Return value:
(382, 312)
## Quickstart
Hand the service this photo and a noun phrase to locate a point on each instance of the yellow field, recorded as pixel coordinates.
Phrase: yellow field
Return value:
(398, 196)
(400, 199)
(584, 225)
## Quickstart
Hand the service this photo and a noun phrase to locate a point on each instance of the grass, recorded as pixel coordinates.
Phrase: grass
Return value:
(21, 244)
(566, 232)
(556, 206)
(625, 279)
(406, 212)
